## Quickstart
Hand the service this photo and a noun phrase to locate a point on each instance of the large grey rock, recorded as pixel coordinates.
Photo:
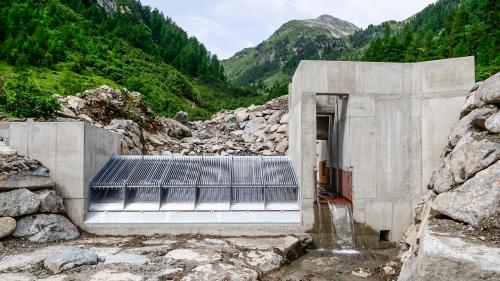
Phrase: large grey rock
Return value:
(265, 261)
(18, 202)
(75, 103)
(46, 228)
(474, 200)
(27, 261)
(32, 180)
(255, 125)
(472, 102)
(489, 92)
(127, 258)
(492, 124)
(50, 202)
(242, 115)
(447, 257)
(7, 226)
(68, 259)
(442, 179)
(181, 117)
(222, 271)
(473, 153)
(286, 245)
(470, 123)
(194, 255)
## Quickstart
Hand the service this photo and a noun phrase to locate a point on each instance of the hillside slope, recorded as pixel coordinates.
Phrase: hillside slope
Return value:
(274, 60)
(445, 29)
(66, 46)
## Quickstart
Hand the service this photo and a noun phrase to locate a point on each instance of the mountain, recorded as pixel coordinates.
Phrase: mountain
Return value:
(274, 60)
(447, 28)
(66, 46)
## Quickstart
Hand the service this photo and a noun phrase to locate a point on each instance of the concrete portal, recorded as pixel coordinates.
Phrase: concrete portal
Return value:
(390, 124)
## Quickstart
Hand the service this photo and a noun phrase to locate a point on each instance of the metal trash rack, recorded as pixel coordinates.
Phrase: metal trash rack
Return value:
(194, 183)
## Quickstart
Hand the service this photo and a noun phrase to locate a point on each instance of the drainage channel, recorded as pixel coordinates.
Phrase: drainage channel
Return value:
(194, 183)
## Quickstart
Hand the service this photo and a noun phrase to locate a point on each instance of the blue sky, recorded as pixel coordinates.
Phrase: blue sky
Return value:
(227, 26)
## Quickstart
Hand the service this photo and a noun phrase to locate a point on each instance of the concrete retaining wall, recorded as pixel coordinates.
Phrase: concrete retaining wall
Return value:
(73, 151)
(392, 128)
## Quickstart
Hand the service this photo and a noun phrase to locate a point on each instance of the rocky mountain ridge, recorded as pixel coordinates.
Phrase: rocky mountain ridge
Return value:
(275, 59)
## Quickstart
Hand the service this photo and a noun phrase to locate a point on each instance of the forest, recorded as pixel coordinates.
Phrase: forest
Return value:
(67, 46)
(448, 28)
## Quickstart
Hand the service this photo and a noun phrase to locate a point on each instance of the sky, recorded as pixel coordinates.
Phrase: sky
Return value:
(228, 26)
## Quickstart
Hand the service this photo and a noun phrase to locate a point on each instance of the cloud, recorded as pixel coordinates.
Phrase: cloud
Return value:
(227, 26)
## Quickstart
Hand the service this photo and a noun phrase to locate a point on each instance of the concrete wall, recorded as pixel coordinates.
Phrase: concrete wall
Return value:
(73, 151)
(392, 128)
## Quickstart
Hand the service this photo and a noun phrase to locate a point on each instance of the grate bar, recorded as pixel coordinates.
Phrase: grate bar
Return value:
(158, 183)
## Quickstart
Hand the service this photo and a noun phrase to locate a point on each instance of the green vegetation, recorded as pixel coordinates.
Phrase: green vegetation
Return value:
(67, 46)
(268, 67)
(445, 29)
(449, 28)
(24, 99)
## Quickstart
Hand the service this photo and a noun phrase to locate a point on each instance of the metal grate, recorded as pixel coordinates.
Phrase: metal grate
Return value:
(160, 183)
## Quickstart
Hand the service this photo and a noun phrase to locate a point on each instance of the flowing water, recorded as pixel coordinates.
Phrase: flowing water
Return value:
(333, 225)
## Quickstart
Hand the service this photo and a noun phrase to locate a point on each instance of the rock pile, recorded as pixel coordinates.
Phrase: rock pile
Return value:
(154, 258)
(29, 205)
(456, 234)
(256, 130)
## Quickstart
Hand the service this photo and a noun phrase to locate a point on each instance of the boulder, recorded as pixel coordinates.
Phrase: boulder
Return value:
(282, 146)
(68, 259)
(284, 118)
(7, 226)
(275, 117)
(469, 123)
(221, 271)
(442, 179)
(75, 103)
(46, 228)
(195, 255)
(255, 125)
(25, 262)
(474, 200)
(447, 257)
(181, 117)
(18, 202)
(492, 124)
(50, 202)
(473, 153)
(130, 259)
(242, 116)
(471, 103)
(265, 261)
(489, 92)
(287, 245)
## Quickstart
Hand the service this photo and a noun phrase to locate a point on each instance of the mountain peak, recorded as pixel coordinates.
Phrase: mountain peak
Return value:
(336, 26)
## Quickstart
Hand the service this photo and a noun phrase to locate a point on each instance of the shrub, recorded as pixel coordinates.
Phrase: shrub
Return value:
(24, 99)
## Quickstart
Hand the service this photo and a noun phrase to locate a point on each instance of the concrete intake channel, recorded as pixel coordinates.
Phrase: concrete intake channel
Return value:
(178, 184)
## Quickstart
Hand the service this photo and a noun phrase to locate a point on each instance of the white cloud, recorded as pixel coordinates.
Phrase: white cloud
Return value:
(227, 26)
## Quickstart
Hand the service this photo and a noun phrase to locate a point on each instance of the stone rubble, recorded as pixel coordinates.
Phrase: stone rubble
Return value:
(26, 191)
(189, 258)
(256, 130)
(456, 230)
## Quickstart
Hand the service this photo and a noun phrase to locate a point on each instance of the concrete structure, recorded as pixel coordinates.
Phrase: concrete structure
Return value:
(73, 151)
(386, 124)
(391, 122)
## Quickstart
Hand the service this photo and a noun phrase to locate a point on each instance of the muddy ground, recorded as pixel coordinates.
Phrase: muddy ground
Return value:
(322, 265)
